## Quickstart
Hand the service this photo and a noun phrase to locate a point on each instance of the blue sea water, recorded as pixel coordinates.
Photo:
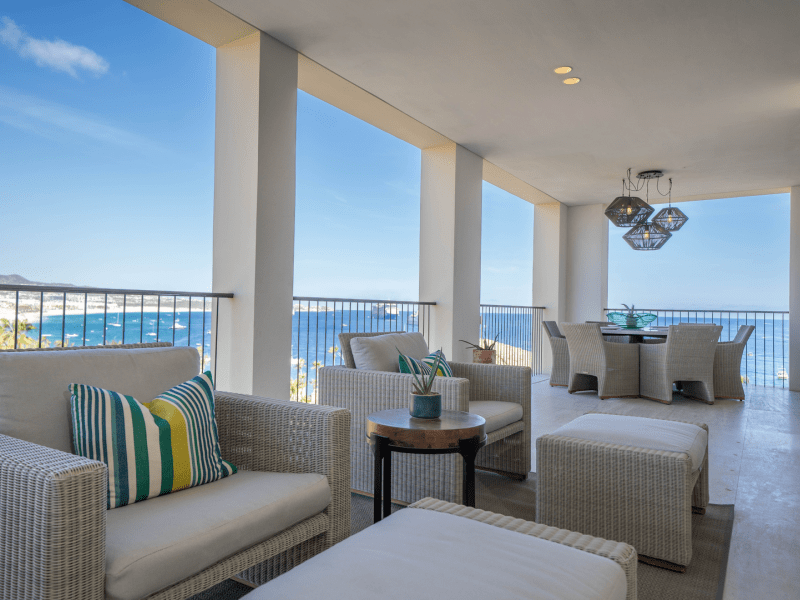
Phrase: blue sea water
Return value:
(314, 335)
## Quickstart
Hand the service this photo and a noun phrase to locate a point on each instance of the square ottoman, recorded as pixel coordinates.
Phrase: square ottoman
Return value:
(436, 549)
(625, 478)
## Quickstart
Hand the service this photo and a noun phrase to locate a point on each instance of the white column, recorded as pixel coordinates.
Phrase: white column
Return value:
(254, 205)
(587, 263)
(450, 246)
(550, 266)
(794, 291)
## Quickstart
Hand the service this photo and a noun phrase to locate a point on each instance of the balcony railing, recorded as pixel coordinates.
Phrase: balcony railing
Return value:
(766, 357)
(317, 323)
(33, 316)
(519, 334)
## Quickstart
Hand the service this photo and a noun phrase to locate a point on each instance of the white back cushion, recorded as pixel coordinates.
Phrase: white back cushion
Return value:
(34, 401)
(379, 353)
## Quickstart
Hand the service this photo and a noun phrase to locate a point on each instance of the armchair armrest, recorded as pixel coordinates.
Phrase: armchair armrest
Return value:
(262, 434)
(52, 523)
(501, 383)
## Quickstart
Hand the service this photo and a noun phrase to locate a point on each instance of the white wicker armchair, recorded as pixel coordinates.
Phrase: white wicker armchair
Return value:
(53, 517)
(364, 392)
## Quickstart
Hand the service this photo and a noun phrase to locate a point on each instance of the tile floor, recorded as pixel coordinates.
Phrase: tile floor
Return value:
(754, 463)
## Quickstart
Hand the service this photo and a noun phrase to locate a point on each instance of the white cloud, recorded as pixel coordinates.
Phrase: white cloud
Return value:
(52, 120)
(56, 54)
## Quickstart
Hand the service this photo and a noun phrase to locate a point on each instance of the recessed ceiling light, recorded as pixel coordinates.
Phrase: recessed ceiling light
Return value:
(572, 80)
(563, 70)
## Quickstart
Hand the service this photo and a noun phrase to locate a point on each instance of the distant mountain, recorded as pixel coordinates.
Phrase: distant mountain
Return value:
(20, 280)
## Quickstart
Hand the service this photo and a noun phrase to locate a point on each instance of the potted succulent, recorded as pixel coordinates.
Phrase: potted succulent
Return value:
(425, 403)
(485, 354)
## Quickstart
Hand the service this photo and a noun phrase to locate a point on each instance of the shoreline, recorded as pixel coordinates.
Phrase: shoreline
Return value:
(33, 316)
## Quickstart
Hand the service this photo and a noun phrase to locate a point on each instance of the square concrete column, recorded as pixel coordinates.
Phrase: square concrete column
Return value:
(587, 263)
(794, 290)
(450, 246)
(550, 223)
(254, 208)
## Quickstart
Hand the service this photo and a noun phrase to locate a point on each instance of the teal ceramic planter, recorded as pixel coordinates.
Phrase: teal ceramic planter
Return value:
(426, 407)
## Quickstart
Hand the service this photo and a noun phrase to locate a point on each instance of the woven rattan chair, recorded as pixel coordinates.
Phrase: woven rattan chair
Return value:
(687, 357)
(728, 365)
(614, 339)
(595, 364)
(363, 392)
(559, 372)
(642, 496)
(53, 504)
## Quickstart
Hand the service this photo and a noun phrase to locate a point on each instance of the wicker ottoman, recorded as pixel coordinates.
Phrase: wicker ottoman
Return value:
(436, 549)
(626, 478)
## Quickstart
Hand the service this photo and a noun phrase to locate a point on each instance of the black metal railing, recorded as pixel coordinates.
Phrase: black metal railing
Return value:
(38, 316)
(317, 323)
(519, 334)
(767, 353)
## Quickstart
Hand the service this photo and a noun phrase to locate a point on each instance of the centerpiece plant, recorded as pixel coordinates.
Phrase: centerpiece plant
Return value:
(425, 403)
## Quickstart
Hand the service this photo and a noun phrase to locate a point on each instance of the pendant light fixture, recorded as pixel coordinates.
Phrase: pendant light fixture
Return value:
(647, 236)
(628, 210)
(670, 218)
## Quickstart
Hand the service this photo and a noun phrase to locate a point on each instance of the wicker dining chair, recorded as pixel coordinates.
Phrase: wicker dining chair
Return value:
(728, 365)
(595, 364)
(559, 373)
(616, 339)
(687, 358)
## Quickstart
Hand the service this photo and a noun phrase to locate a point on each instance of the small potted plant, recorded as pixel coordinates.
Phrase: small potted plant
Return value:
(425, 403)
(485, 354)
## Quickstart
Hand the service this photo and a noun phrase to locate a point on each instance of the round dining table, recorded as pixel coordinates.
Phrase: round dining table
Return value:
(637, 335)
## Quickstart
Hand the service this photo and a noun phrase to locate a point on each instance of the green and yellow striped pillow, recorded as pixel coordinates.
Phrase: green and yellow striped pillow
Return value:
(151, 448)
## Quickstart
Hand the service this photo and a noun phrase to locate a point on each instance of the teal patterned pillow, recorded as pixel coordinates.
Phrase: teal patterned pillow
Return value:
(424, 366)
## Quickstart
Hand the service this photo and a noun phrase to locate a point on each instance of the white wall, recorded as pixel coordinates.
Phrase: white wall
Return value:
(587, 263)
(254, 204)
(450, 246)
(794, 290)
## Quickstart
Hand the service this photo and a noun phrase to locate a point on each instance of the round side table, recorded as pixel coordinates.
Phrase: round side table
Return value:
(397, 431)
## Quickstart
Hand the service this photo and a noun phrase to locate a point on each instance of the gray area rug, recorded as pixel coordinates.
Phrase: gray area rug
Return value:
(704, 578)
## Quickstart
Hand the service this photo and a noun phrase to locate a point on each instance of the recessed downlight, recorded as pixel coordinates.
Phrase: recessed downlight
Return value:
(572, 80)
(563, 70)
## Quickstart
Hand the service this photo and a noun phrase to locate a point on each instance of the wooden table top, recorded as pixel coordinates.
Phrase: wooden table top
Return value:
(409, 432)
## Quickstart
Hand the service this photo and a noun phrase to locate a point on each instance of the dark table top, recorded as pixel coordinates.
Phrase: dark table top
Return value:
(645, 331)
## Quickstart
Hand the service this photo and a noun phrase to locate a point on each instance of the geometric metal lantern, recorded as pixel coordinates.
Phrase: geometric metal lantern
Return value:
(647, 236)
(628, 211)
(670, 218)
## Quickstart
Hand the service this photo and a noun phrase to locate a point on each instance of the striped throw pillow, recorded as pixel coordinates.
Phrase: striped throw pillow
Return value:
(424, 366)
(151, 448)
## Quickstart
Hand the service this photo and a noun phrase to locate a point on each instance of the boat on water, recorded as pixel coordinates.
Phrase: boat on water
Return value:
(413, 319)
(385, 311)
(177, 325)
(782, 374)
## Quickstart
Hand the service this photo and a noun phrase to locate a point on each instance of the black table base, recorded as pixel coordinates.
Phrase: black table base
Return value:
(382, 449)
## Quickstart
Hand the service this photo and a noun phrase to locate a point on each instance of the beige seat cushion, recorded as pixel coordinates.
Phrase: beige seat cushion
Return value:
(424, 554)
(379, 353)
(497, 414)
(34, 401)
(156, 543)
(653, 434)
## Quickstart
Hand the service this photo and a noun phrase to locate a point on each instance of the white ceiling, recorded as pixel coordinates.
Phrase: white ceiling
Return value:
(706, 90)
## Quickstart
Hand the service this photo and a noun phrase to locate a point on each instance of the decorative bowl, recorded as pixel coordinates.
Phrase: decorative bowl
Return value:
(631, 321)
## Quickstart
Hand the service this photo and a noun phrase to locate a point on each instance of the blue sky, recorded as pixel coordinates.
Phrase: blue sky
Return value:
(106, 179)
